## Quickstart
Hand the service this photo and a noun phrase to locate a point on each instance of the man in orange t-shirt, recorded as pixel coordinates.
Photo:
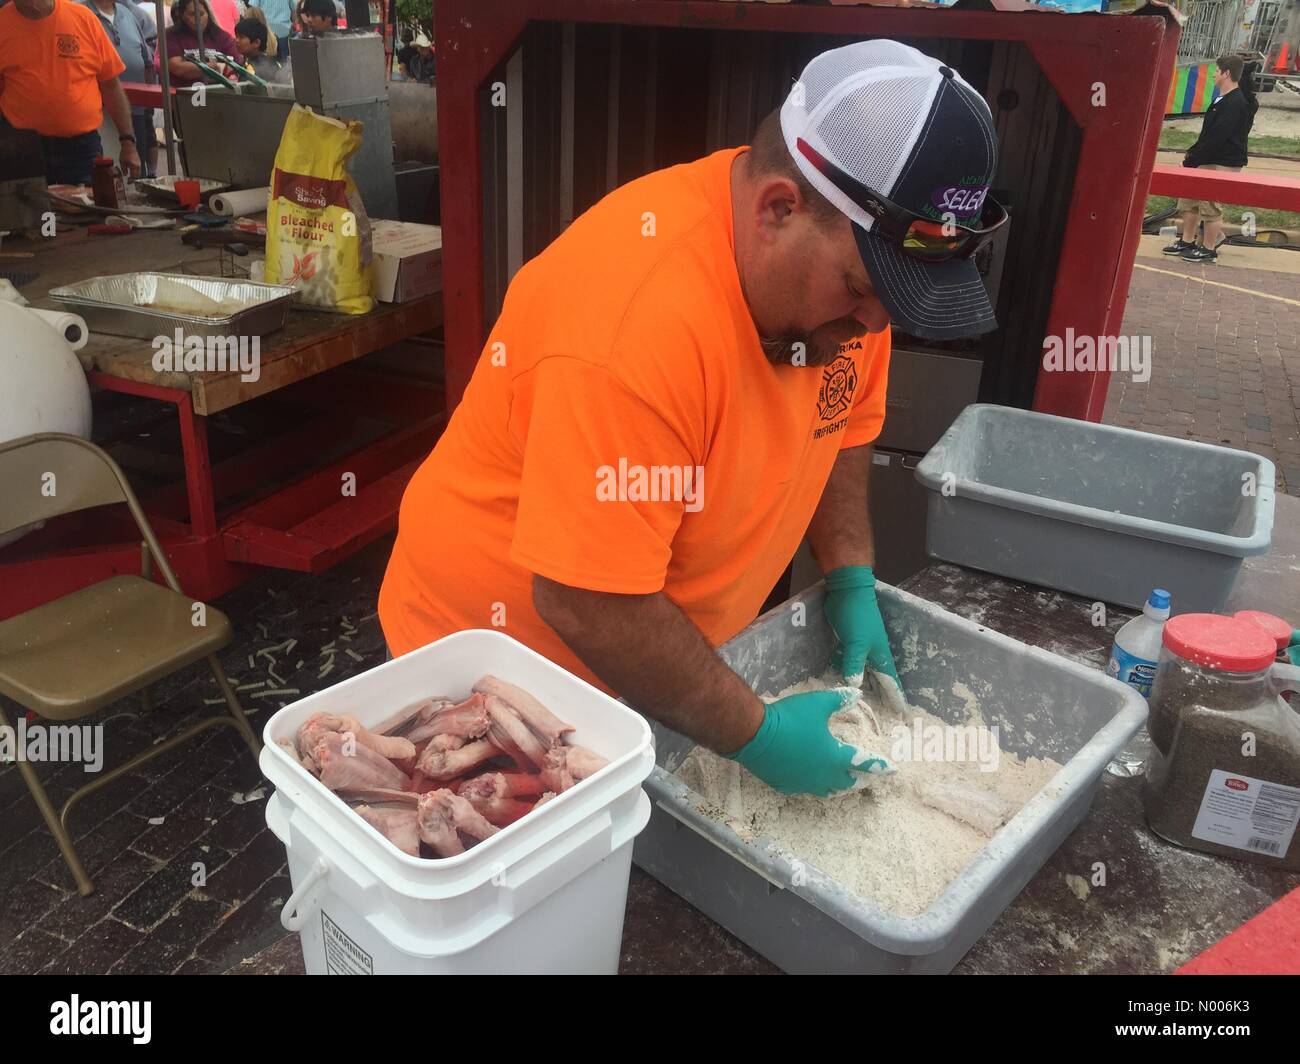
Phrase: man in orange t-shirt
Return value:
(688, 381)
(58, 75)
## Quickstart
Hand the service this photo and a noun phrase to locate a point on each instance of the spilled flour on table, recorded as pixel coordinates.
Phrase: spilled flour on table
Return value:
(901, 839)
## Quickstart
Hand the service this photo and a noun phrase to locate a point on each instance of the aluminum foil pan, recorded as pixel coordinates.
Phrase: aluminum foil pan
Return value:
(156, 304)
(163, 189)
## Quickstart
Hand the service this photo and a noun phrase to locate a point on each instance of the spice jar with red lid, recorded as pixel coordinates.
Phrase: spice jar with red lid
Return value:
(106, 185)
(1279, 631)
(1224, 774)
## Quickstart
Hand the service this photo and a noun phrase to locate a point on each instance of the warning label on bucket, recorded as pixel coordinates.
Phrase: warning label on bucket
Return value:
(342, 955)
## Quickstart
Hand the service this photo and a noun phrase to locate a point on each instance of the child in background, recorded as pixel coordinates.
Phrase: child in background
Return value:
(251, 39)
(318, 16)
(272, 48)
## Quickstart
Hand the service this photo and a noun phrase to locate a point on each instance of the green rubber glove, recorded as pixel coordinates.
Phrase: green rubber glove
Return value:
(854, 617)
(794, 752)
(1293, 651)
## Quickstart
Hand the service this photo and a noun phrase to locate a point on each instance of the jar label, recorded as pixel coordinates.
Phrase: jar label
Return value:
(1248, 814)
(1137, 672)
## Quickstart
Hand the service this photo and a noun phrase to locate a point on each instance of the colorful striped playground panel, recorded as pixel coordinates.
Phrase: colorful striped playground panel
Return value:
(1192, 90)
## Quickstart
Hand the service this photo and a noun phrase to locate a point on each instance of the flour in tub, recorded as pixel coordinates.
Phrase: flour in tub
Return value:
(903, 838)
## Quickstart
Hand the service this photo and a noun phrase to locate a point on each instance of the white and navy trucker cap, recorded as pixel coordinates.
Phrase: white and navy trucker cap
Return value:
(909, 129)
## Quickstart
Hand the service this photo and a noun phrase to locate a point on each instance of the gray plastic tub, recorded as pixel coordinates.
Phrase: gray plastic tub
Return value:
(798, 917)
(1104, 512)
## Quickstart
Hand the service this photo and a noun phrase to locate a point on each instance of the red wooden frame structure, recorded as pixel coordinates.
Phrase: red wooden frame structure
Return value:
(1132, 55)
(144, 94)
(283, 519)
(1251, 190)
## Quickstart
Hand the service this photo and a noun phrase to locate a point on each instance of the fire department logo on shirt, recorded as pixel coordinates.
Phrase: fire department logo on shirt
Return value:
(68, 45)
(839, 381)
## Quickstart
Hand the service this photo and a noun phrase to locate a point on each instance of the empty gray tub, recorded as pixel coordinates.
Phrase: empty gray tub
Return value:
(1044, 705)
(1099, 511)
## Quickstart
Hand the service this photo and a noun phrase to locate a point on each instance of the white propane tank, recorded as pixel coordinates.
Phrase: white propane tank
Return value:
(45, 388)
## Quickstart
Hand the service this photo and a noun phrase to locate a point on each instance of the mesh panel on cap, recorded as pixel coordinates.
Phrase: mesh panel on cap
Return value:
(870, 132)
(830, 68)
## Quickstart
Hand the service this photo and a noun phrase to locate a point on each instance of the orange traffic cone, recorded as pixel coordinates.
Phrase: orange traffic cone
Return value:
(1280, 66)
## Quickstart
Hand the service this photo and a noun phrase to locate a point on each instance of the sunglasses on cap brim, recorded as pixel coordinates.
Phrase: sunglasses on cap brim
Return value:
(914, 234)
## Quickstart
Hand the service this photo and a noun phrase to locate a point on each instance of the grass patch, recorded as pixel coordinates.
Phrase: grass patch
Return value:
(1264, 219)
(1182, 139)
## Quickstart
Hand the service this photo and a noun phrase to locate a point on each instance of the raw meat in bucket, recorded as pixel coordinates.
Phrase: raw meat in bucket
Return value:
(346, 764)
(444, 764)
(467, 720)
(531, 711)
(319, 725)
(502, 797)
(441, 775)
(563, 766)
(398, 824)
(513, 736)
(444, 817)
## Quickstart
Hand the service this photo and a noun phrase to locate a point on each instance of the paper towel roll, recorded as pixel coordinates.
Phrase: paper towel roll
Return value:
(244, 201)
(72, 327)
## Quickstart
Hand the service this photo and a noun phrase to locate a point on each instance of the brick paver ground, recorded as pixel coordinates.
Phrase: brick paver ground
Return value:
(1225, 363)
(188, 876)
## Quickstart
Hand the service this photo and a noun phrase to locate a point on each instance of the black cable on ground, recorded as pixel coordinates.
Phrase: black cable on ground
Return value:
(1239, 241)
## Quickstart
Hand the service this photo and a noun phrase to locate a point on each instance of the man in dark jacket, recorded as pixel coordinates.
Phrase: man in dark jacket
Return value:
(1221, 146)
(421, 66)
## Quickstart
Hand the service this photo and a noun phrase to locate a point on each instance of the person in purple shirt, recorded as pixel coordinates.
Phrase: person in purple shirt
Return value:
(182, 37)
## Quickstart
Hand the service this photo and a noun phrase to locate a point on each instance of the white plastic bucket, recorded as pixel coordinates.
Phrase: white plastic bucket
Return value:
(545, 894)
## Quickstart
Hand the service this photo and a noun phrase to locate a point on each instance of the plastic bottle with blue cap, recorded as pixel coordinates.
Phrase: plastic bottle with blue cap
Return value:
(1137, 645)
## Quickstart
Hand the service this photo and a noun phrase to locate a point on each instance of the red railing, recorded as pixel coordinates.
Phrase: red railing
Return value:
(142, 95)
(1243, 189)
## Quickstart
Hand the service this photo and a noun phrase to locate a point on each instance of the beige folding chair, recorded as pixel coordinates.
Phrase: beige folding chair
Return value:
(74, 655)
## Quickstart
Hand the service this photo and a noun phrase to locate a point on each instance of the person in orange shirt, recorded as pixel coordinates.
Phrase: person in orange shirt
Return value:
(688, 381)
(58, 75)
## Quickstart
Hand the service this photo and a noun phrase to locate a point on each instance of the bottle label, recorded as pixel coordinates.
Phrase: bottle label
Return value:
(1248, 814)
(1134, 671)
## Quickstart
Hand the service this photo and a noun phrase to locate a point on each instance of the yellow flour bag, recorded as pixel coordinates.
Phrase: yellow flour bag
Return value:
(317, 231)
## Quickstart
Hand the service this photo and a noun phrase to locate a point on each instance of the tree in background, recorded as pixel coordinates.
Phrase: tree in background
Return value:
(417, 14)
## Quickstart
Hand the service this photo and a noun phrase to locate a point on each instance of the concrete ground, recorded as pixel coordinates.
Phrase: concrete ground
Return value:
(1278, 114)
(190, 879)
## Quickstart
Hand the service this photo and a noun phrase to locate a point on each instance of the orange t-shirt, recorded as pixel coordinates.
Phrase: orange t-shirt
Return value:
(50, 69)
(625, 350)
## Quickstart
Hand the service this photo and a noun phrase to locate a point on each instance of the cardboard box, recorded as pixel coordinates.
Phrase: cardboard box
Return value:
(407, 260)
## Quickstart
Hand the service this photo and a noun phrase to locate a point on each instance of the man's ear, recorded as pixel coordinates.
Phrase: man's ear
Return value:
(778, 197)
